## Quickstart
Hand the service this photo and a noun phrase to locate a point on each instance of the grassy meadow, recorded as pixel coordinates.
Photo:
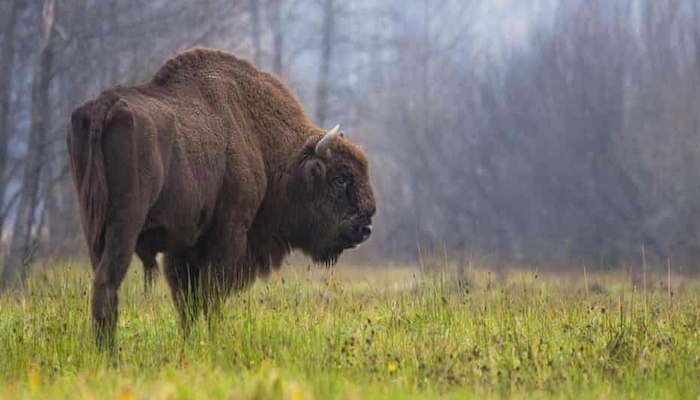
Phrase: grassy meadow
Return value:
(365, 333)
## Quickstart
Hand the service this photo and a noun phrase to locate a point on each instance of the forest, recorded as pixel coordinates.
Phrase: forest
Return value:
(547, 132)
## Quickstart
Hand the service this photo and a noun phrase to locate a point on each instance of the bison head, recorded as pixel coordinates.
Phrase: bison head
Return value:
(331, 196)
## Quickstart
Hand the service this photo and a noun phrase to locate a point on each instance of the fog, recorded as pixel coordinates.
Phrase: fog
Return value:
(545, 132)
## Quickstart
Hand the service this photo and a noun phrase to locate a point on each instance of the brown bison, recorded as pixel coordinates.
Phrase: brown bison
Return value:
(214, 163)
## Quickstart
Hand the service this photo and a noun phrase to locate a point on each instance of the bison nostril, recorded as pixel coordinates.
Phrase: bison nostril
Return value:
(365, 231)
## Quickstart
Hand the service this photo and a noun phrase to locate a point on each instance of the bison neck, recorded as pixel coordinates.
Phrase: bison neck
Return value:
(269, 239)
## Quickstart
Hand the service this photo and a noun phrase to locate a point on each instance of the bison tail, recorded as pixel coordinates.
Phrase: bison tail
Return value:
(88, 165)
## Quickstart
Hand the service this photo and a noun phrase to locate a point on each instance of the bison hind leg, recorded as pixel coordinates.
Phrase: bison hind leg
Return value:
(150, 269)
(149, 244)
(120, 243)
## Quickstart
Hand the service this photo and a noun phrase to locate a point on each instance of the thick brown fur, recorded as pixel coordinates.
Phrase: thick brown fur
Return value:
(211, 162)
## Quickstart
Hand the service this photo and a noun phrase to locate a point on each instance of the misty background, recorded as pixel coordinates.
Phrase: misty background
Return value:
(541, 131)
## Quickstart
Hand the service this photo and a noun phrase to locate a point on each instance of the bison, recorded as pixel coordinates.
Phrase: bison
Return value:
(214, 163)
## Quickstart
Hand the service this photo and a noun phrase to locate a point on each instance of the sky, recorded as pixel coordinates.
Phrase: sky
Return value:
(508, 22)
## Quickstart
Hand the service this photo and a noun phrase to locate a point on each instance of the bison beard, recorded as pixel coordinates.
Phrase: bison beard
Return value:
(215, 164)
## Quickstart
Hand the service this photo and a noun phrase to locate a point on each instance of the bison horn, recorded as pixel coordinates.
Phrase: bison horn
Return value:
(323, 145)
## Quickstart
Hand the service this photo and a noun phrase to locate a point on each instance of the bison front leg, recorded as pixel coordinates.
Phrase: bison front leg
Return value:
(216, 284)
(120, 241)
(183, 276)
(223, 272)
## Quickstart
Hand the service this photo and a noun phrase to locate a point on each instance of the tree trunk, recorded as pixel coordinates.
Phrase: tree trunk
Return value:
(325, 61)
(255, 30)
(21, 246)
(61, 223)
(7, 66)
(277, 38)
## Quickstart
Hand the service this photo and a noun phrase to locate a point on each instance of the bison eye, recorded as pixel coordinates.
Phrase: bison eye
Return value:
(341, 182)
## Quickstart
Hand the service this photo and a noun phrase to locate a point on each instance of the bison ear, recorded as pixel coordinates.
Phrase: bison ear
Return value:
(80, 121)
(313, 173)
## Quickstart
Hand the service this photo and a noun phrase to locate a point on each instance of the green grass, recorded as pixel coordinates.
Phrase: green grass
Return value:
(363, 333)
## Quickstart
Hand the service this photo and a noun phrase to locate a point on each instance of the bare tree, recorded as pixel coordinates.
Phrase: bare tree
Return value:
(254, 10)
(7, 52)
(325, 61)
(277, 24)
(20, 248)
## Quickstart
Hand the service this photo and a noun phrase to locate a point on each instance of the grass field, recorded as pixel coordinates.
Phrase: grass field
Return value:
(364, 333)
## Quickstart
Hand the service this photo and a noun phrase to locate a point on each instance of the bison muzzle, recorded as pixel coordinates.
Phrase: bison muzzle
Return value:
(214, 163)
